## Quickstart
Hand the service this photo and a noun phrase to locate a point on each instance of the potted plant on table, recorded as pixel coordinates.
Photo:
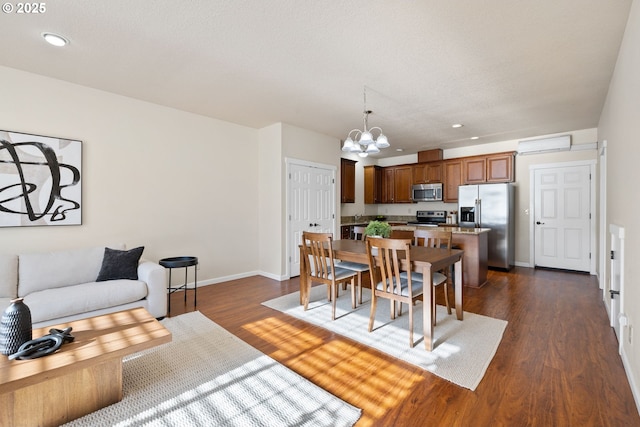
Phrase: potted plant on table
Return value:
(378, 229)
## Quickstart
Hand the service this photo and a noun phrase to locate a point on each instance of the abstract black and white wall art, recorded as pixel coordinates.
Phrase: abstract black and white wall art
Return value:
(40, 180)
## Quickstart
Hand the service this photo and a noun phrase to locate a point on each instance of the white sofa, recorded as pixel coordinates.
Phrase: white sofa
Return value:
(61, 286)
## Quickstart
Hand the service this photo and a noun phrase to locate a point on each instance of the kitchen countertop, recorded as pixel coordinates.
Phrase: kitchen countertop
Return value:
(454, 230)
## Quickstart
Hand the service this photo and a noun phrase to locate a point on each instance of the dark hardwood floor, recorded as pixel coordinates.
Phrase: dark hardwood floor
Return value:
(557, 364)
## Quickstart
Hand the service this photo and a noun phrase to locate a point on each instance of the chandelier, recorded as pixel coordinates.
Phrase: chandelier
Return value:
(363, 142)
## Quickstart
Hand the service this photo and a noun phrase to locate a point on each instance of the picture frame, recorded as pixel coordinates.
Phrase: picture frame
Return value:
(40, 180)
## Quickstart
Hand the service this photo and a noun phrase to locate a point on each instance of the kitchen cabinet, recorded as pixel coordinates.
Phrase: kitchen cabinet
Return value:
(388, 185)
(347, 181)
(488, 168)
(452, 179)
(373, 177)
(500, 167)
(425, 173)
(396, 184)
(402, 182)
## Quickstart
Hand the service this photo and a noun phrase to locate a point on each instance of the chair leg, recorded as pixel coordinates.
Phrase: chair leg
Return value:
(359, 287)
(372, 314)
(433, 305)
(410, 325)
(353, 292)
(446, 297)
(334, 288)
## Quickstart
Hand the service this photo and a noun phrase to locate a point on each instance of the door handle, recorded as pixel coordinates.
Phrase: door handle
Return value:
(539, 223)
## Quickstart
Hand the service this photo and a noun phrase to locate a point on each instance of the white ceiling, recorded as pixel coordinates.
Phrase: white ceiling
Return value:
(505, 69)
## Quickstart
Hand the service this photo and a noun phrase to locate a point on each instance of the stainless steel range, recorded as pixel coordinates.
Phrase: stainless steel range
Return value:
(432, 218)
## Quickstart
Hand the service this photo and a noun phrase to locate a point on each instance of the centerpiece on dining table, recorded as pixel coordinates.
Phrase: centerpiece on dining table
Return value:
(378, 229)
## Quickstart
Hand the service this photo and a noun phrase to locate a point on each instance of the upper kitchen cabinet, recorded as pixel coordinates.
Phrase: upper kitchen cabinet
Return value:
(373, 177)
(425, 173)
(488, 168)
(500, 167)
(403, 181)
(396, 183)
(452, 179)
(347, 181)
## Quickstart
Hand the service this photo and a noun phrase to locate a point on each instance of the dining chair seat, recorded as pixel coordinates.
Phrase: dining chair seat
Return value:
(438, 278)
(416, 287)
(355, 266)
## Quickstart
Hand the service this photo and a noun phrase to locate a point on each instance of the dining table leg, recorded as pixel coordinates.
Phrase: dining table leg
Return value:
(427, 304)
(458, 288)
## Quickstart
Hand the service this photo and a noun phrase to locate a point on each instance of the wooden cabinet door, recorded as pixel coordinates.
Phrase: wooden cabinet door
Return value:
(452, 179)
(424, 173)
(434, 172)
(347, 181)
(500, 168)
(373, 177)
(403, 180)
(474, 170)
(388, 185)
(420, 173)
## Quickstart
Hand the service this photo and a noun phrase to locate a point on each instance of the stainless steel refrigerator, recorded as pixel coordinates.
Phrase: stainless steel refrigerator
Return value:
(491, 206)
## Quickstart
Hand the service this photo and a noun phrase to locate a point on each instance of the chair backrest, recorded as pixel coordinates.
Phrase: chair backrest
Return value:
(318, 253)
(358, 232)
(387, 255)
(432, 238)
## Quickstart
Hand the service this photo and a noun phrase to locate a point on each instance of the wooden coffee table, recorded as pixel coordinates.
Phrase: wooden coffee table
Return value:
(83, 376)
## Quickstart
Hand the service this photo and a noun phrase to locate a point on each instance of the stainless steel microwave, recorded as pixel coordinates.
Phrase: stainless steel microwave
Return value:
(426, 192)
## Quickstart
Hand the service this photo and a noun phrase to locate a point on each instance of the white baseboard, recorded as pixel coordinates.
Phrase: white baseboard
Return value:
(522, 264)
(632, 382)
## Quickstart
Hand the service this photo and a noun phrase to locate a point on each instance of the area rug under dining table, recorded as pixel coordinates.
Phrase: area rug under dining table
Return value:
(208, 377)
(463, 349)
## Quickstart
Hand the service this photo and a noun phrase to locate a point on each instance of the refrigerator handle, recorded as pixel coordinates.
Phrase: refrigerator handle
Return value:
(478, 212)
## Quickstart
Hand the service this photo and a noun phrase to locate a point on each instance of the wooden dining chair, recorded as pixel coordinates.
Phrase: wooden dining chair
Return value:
(435, 238)
(386, 280)
(360, 269)
(317, 251)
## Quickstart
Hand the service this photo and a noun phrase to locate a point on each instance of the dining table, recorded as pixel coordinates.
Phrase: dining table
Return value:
(424, 260)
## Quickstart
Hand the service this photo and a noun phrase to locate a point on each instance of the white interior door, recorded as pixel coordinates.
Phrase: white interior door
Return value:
(562, 218)
(312, 195)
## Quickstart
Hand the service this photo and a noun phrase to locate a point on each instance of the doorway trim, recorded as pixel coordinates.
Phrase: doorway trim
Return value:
(602, 258)
(288, 163)
(592, 206)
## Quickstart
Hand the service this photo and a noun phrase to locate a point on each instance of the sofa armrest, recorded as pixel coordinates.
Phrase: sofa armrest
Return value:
(155, 276)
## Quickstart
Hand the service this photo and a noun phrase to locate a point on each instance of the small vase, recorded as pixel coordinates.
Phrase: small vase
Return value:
(15, 327)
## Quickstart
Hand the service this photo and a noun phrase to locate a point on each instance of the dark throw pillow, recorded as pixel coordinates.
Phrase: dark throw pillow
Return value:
(120, 264)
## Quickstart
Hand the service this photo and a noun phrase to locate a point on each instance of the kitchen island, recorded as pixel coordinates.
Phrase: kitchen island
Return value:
(475, 244)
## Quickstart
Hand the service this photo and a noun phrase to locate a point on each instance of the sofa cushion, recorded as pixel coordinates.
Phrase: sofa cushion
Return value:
(120, 264)
(40, 271)
(8, 276)
(60, 302)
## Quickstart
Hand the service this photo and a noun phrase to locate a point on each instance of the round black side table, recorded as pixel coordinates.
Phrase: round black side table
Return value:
(180, 262)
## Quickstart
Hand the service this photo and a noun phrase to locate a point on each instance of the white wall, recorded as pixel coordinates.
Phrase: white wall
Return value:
(620, 127)
(172, 181)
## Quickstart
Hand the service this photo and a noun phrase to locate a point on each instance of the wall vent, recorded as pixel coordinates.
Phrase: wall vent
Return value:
(545, 145)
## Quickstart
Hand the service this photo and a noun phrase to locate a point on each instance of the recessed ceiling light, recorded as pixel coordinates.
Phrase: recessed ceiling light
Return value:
(457, 125)
(55, 39)
(475, 137)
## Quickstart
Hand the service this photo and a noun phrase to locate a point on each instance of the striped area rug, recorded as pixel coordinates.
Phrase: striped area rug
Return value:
(209, 377)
